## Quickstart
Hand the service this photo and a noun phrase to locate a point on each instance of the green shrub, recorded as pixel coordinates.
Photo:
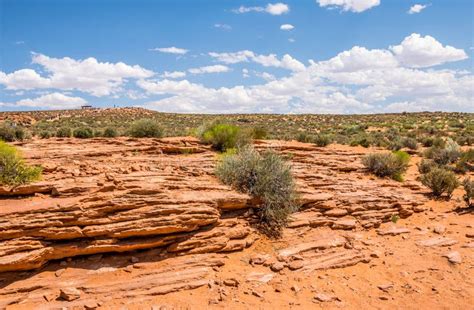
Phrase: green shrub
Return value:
(225, 136)
(427, 142)
(445, 155)
(267, 179)
(260, 133)
(11, 133)
(440, 181)
(303, 137)
(45, 134)
(64, 132)
(322, 140)
(426, 165)
(466, 162)
(362, 140)
(469, 189)
(13, 170)
(392, 165)
(83, 133)
(146, 128)
(110, 133)
(410, 143)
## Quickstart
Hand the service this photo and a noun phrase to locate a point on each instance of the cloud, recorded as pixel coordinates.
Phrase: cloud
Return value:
(170, 50)
(417, 51)
(359, 80)
(271, 60)
(88, 75)
(49, 101)
(174, 74)
(356, 6)
(209, 69)
(223, 26)
(273, 9)
(417, 8)
(287, 27)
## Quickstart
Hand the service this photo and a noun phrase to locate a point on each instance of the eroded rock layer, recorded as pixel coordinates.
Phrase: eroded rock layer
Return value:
(117, 195)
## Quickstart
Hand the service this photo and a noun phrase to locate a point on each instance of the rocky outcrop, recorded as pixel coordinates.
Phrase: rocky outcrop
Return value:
(119, 195)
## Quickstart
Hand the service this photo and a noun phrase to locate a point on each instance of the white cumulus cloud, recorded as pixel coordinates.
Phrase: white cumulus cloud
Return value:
(356, 6)
(170, 50)
(173, 74)
(209, 69)
(88, 75)
(50, 101)
(273, 9)
(417, 51)
(270, 60)
(287, 27)
(417, 8)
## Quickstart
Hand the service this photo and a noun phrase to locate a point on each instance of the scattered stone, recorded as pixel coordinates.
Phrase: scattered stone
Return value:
(470, 234)
(321, 297)
(231, 282)
(69, 294)
(454, 257)
(344, 224)
(439, 229)
(385, 287)
(295, 265)
(90, 305)
(393, 231)
(259, 259)
(134, 259)
(438, 241)
(295, 288)
(260, 277)
(257, 294)
(59, 272)
(277, 266)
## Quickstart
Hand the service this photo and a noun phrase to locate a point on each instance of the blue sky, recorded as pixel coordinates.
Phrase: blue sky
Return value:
(306, 56)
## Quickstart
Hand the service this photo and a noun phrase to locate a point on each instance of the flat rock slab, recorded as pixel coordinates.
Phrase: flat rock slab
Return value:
(393, 231)
(437, 242)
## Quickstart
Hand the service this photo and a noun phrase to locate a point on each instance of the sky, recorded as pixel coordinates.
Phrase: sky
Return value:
(223, 56)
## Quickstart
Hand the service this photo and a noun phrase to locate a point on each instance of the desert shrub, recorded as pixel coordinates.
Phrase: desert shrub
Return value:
(13, 170)
(146, 128)
(110, 132)
(410, 143)
(64, 132)
(426, 165)
(224, 136)
(45, 134)
(465, 162)
(439, 142)
(303, 137)
(440, 181)
(392, 165)
(362, 140)
(427, 141)
(395, 145)
(322, 140)
(445, 155)
(259, 133)
(83, 133)
(11, 133)
(267, 178)
(469, 189)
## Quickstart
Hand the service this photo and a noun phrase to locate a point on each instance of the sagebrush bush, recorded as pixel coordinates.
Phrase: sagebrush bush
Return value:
(267, 179)
(225, 136)
(410, 143)
(13, 170)
(64, 132)
(146, 128)
(11, 133)
(440, 181)
(465, 162)
(303, 137)
(426, 165)
(444, 155)
(45, 134)
(83, 133)
(259, 133)
(469, 189)
(391, 165)
(110, 132)
(322, 140)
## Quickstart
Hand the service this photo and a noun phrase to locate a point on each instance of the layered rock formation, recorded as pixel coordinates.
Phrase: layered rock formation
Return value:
(121, 195)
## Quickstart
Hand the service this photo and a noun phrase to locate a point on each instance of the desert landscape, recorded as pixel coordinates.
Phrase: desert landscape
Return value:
(238, 154)
(144, 222)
